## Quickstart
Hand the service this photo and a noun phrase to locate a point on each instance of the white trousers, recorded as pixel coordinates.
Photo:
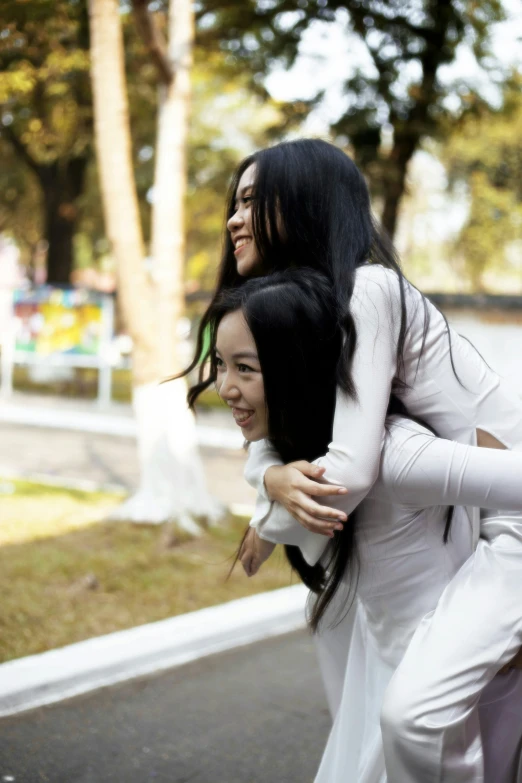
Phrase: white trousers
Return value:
(431, 724)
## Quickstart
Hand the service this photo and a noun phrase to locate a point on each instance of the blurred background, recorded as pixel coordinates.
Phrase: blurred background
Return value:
(121, 124)
(120, 127)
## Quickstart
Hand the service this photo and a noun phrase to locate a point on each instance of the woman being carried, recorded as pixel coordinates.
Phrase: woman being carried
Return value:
(384, 572)
(305, 204)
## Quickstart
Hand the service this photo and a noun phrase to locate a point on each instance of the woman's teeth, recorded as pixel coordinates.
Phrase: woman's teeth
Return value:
(241, 243)
(243, 416)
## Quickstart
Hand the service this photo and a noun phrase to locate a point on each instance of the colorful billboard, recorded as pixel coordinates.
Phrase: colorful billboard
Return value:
(52, 321)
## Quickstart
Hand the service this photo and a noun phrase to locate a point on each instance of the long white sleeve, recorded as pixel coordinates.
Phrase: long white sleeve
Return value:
(353, 455)
(261, 456)
(420, 470)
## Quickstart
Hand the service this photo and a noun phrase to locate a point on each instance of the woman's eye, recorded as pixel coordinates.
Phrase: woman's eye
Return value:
(244, 368)
(219, 363)
(244, 200)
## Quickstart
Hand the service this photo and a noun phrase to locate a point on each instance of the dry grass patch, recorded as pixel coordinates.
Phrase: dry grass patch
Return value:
(65, 577)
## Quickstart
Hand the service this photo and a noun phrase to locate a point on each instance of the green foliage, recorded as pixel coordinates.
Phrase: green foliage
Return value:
(44, 78)
(408, 43)
(229, 121)
(46, 104)
(46, 120)
(485, 152)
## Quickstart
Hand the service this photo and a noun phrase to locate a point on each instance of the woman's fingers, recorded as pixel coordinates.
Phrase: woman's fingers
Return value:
(312, 487)
(320, 526)
(328, 516)
(254, 566)
(304, 484)
(307, 468)
(246, 561)
(312, 516)
(246, 554)
(320, 490)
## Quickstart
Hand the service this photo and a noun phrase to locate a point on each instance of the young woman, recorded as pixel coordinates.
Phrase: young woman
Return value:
(305, 204)
(395, 564)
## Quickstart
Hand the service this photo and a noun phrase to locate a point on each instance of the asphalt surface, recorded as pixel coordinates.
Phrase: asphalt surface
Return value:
(256, 714)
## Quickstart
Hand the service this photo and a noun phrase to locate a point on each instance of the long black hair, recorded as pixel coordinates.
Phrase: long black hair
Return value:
(311, 208)
(292, 318)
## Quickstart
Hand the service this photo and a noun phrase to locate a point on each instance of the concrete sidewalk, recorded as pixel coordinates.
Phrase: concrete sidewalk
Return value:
(75, 443)
(215, 428)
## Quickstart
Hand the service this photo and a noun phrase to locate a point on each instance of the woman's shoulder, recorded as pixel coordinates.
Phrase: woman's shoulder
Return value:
(376, 280)
(374, 271)
(376, 291)
(378, 276)
(382, 286)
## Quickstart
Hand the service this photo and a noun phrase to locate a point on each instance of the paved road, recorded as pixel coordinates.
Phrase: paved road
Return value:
(256, 714)
(107, 459)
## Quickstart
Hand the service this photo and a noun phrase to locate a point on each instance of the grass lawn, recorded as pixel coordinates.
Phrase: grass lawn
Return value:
(66, 575)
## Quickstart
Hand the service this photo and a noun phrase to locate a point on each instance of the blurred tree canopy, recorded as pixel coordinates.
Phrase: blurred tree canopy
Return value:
(408, 42)
(485, 154)
(46, 122)
(49, 182)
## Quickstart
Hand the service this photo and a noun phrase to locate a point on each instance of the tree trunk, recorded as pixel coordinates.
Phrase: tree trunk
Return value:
(172, 485)
(394, 179)
(120, 201)
(172, 476)
(61, 185)
(170, 178)
(60, 226)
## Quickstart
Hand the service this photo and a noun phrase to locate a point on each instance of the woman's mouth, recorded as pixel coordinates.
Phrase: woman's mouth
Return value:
(241, 244)
(242, 417)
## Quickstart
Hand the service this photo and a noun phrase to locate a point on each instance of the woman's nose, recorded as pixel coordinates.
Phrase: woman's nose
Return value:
(236, 221)
(228, 390)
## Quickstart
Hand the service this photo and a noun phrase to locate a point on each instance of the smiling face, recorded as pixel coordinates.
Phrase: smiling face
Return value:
(241, 229)
(239, 380)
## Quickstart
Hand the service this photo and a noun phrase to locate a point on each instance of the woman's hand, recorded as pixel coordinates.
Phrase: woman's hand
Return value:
(295, 485)
(254, 551)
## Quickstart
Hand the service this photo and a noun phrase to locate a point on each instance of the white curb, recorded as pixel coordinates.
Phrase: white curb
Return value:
(60, 674)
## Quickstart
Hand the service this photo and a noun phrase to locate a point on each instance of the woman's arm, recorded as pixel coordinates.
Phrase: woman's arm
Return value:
(421, 470)
(274, 524)
(352, 460)
(253, 553)
(354, 454)
(302, 483)
(261, 456)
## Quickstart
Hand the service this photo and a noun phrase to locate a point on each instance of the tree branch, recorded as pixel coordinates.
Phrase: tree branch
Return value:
(153, 40)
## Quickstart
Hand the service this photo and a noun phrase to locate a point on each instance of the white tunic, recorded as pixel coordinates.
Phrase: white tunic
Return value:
(454, 406)
(404, 569)
(430, 721)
